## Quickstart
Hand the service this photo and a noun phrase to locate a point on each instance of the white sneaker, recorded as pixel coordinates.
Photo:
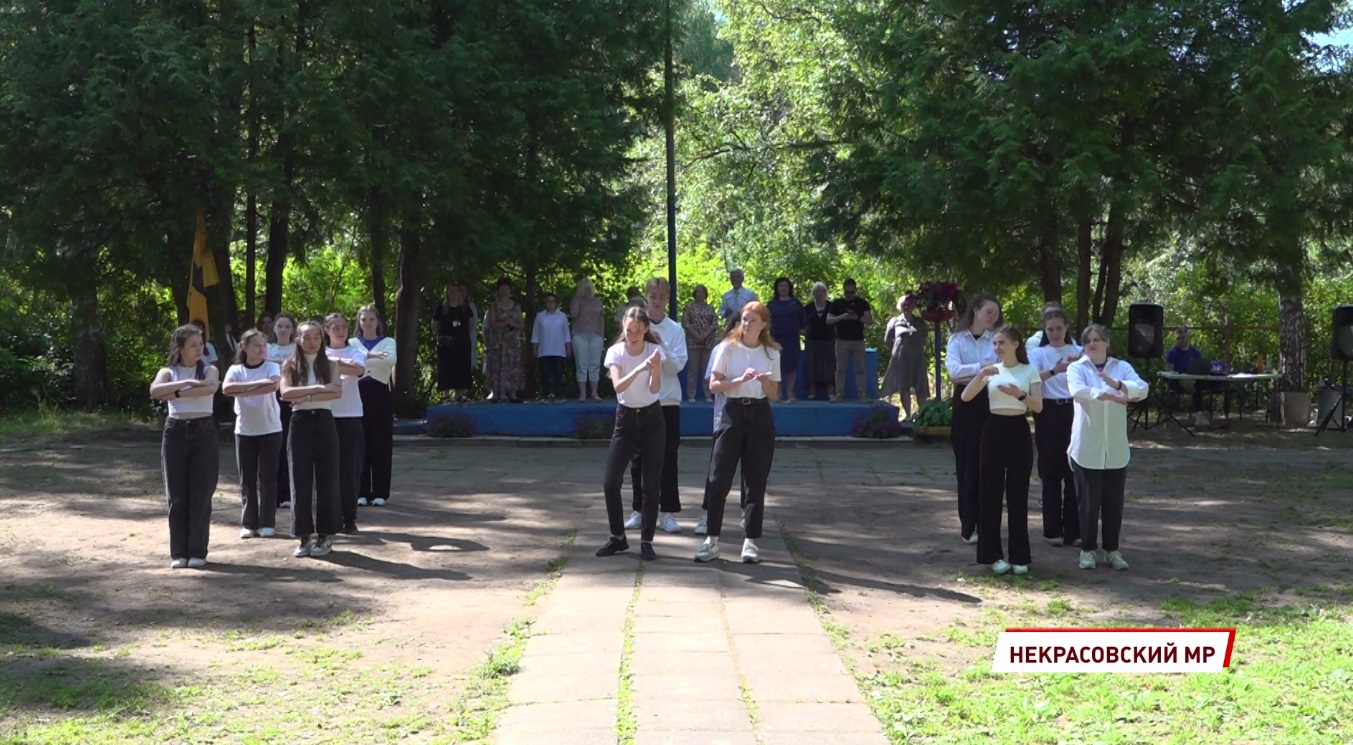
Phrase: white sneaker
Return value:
(361, 502)
(322, 546)
(750, 555)
(379, 501)
(636, 519)
(196, 563)
(1087, 560)
(709, 551)
(971, 540)
(1001, 566)
(178, 563)
(667, 522)
(1021, 568)
(267, 533)
(247, 533)
(303, 549)
(702, 527)
(1117, 561)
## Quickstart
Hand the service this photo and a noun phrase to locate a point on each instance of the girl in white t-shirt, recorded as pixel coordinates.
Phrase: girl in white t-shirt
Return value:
(310, 382)
(635, 366)
(1013, 389)
(1052, 431)
(254, 382)
(281, 347)
(746, 371)
(350, 363)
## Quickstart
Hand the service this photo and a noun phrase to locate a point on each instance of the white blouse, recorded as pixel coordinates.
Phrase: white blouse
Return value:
(1099, 438)
(966, 355)
(1046, 358)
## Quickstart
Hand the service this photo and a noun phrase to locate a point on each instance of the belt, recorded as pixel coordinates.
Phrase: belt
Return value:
(303, 412)
(748, 401)
(1059, 401)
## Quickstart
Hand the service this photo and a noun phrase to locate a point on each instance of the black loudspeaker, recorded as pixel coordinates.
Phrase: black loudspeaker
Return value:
(1341, 345)
(1146, 330)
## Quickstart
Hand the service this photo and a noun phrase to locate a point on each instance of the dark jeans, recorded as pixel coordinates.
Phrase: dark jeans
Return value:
(966, 437)
(742, 484)
(1101, 491)
(313, 449)
(351, 456)
(378, 434)
(747, 437)
(1007, 462)
(636, 430)
(1061, 515)
(284, 460)
(191, 460)
(551, 376)
(256, 457)
(670, 497)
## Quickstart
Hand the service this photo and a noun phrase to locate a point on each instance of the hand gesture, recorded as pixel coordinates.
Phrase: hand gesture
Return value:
(654, 361)
(1113, 397)
(1110, 382)
(275, 379)
(377, 355)
(1061, 366)
(989, 371)
(750, 374)
(1010, 390)
(334, 387)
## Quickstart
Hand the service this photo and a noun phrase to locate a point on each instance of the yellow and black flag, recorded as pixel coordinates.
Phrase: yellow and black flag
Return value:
(202, 276)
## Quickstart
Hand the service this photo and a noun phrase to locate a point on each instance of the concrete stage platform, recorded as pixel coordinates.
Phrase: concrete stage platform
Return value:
(799, 419)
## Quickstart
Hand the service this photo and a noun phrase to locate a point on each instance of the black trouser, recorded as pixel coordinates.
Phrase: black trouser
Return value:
(670, 497)
(313, 449)
(551, 376)
(378, 434)
(284, 460)
(191, 460)
(1007, 462)
(1100, 490)
(742, 485)
(966, 436)
(636, 430)
(351, 456)
(256, 457)
(747, 437)
(1061, 515)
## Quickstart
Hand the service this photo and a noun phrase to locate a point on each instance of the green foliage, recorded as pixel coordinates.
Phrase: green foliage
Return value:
(935, 413)
(454, 424)
(879, 423)
(593, 427)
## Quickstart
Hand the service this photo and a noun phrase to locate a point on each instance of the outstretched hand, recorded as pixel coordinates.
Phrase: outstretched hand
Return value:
(1010, 390)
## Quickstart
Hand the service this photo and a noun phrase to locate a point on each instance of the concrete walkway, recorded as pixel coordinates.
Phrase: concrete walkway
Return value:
(715, 654)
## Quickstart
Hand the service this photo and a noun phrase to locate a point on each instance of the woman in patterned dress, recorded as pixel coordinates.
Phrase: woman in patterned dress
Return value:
(701, 324)
(503, 357)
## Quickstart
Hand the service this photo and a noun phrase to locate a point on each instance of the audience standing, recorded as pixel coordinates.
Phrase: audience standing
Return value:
(820, 343)
(786, 327)
(849, 314)
(702, 327)
(553, 345)
(589, 335)
(906, 338)
(454, 323)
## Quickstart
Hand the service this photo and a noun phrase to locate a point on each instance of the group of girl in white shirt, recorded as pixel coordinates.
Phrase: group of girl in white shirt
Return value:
(745, 373)
(313, 427)
(1078, 396)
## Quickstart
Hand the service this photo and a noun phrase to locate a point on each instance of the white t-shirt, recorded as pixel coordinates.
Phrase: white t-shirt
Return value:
(257, 414)
(719, 398)
(179, 408)
(303, 405)
(1022, 376)
(1046, 358)
(734, 358)
(637, 396)
(349, 405)
(280, 353)
(551, 333)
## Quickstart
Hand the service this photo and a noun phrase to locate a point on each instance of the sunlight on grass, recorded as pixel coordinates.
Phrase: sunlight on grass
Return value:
(46, 422)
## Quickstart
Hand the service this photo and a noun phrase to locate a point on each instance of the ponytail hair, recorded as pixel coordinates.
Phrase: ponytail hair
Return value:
(1013, 334)
(240, 356)
(1049, 314)
(640, 315)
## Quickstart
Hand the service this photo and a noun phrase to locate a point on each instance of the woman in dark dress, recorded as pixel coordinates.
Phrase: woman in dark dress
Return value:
(454, 324)
(786, 326)
(820, 342)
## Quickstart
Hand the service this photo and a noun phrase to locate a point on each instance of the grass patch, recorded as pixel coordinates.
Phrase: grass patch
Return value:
(626, 721)
(475, 714)
(1288, 683)
(47, 422)
(745, 694)
(553, 571)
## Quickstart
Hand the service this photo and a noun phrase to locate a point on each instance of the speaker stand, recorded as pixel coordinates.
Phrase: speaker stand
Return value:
(1338, 405)
(1141, 417)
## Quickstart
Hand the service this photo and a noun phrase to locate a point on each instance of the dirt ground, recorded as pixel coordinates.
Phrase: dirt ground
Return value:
(433, 579)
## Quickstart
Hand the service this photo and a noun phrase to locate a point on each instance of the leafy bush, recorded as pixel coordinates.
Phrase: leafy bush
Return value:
(879, 423)
(936, 413)
(454, 425)
(593, 427)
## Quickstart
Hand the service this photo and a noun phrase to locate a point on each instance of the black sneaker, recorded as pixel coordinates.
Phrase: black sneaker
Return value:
(613, 547)
(646, 550)
(285, 504)
(349, 527)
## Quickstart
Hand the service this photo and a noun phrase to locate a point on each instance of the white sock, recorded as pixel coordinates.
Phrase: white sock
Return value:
(712, 540)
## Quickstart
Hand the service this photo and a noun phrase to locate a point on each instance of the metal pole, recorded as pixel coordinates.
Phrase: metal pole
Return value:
(669, 122)
(939, 329)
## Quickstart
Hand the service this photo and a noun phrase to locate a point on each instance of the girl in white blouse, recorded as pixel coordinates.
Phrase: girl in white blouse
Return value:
(1013, 389)
(350, 363)
(746, 371)
(282, 347)
(969, 351)
(378, 417)
(635, 365)
(189, 454)
(1061, 516)
(254, 382)
(1102, 388)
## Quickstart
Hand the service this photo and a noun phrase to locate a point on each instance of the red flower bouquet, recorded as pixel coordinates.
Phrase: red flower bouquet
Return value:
(937, 300)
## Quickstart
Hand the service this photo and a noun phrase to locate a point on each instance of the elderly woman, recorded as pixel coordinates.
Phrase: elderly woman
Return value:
(589, 332)
(906, 335)
(454, 324)
(502, 345)
(786, 326)
(701, 323)
(1101, 388)
(820, 344)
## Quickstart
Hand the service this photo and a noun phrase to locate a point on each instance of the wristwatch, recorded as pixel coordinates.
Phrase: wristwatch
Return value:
(1023, 396)
(178, 393)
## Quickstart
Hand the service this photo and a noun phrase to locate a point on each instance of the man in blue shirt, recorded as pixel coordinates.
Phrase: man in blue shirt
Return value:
(1179, 360)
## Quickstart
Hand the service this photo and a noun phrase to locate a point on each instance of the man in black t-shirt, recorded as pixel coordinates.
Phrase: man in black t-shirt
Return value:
(849, 314)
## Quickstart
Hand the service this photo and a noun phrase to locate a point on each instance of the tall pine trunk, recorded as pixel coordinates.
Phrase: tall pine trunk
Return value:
(91, 353)
(1050, 257)
(1085, 256)
(408, 296)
